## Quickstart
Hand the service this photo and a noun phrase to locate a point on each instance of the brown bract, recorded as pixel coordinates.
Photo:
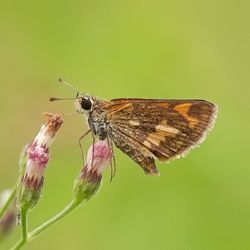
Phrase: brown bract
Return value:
(53, 124)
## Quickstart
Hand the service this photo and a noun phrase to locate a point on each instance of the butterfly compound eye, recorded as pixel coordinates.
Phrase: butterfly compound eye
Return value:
(86, 104)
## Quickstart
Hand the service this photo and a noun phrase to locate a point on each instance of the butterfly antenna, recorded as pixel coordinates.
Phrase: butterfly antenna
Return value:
(52, 99)
(67, 84)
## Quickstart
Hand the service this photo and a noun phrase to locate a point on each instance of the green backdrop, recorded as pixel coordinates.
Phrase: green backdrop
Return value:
(150, 49)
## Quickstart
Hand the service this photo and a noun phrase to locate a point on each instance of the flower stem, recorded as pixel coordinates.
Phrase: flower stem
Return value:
(18, 245)
(53, 220)
(23, 214)
(28, 237)
(8, 201)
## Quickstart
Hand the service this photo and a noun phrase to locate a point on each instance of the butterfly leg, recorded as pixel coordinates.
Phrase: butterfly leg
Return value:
(80, 144)
(112, 160)
(93, 148)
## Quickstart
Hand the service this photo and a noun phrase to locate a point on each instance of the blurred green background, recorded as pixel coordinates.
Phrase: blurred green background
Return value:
(150, 49)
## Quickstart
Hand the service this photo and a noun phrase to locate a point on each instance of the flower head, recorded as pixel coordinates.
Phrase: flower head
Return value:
(88, 182)
(37, 157)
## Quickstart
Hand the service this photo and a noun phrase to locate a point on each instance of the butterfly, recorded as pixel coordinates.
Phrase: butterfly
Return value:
(148, 129)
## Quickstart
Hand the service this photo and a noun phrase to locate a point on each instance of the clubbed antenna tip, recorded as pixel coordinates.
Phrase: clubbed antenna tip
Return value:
(52, 99)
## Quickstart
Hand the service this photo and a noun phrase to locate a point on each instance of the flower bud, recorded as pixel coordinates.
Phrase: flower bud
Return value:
(7, 222)
(88, 182)
(37, 157)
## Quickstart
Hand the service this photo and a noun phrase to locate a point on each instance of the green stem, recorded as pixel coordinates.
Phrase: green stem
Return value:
(23, 215)
(18, 245)
(8, 201)
(24, 224)
(53, 220)
(28, 237)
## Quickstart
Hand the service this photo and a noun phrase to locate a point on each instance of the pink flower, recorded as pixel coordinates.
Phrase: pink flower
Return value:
(98, 158)
(37, 157)
(102, 156)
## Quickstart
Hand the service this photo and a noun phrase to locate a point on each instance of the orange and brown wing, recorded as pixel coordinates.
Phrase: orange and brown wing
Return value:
(145, 129)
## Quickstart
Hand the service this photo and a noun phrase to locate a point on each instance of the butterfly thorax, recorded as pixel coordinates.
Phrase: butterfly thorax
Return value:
(98, 125)
(94, 111)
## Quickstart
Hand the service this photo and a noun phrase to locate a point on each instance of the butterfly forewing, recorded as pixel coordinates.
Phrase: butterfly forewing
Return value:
(145, 129)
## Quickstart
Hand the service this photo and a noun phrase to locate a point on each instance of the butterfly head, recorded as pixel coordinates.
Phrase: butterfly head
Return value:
(84, 103)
